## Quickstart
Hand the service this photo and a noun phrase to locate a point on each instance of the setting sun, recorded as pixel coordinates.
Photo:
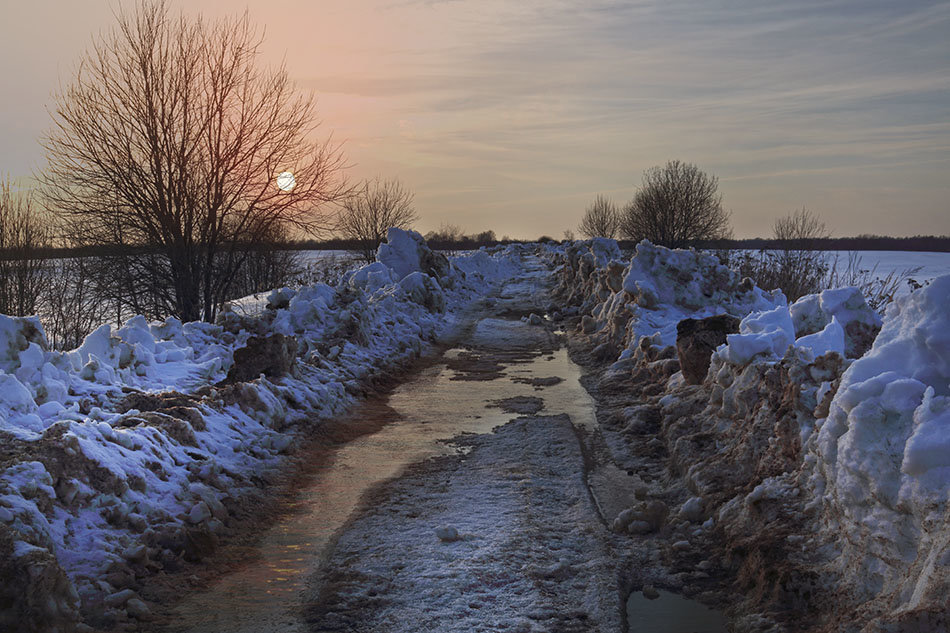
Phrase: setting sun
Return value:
(286, 181)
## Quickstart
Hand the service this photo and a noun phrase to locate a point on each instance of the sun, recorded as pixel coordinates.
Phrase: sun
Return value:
(286, 181)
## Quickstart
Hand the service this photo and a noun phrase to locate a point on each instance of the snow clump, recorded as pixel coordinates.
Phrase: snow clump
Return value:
(640, 302)
(882, 471)
(837, 320)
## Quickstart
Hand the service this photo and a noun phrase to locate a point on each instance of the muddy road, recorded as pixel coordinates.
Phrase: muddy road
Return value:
(482, 500)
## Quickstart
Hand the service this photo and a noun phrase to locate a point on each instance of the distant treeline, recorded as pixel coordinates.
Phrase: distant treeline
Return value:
(860, 243)
(335, 244)
(464, 244)
(940, 244)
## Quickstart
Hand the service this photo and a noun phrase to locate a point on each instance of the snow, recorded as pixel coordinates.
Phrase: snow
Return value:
(882, 457)
(819, 321)
(690, 280)
(17, 409)
(671, 285)
(372, 277)
(84, 472)
(928, 264)
(175, 467)
(604, 250)
(767, 333)
(885, 422)
(829, 339)
(811, 313)
(402, 252)
(868, 399)
(928, 448)
(883, 263)
(424, 290)
(507, 541)
(646, 297)
(506, 334)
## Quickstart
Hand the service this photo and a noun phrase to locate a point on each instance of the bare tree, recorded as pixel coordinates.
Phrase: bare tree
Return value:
(73, 303)
(676, 205)
(24, 233)
(801, 229)
(601, 219)
(485, 237)
(173, 145)
(799, 267)
(377, 207)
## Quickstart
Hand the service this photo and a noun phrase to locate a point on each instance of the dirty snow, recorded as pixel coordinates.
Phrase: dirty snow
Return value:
(827, 427)
(883, 467)
(86, 482)
(819, 419)
(529, 550)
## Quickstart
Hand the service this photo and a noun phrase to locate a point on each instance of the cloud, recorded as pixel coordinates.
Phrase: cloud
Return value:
(488, 107)
(756, 90)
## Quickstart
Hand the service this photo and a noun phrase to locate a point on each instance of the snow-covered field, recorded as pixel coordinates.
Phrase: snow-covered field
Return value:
(927, 265)
(884, 263)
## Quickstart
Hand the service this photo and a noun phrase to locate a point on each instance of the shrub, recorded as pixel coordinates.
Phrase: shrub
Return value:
(601, 219)
(676, 205)
(378, 206)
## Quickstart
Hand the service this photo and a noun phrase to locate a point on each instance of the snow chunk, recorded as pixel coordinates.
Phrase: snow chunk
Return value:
(17, 408)
(424, 290)
(688, 279)
(22, 342)
(101, 345)
(406, 252)
(928, 447)
(837, 320)
(280, 297)
(767, 333)
(882, 457)
(830, 339)
(136, 331)
(372, 277)
(447, 533)
(813, 313)
(668, 286)
(604, 250)
(22, 548)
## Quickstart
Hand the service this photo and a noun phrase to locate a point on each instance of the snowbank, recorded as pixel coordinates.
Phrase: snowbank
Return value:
(638, 304)
(882, 471)
(818, 442)
(123, 456)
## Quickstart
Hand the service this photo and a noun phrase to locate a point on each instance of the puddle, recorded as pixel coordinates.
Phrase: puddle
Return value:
(417, 419)
(672, 613)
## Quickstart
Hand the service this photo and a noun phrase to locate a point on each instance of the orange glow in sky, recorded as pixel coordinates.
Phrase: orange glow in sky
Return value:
(512, 116)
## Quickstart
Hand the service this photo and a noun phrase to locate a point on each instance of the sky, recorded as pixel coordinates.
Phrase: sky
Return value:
(512, 116)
